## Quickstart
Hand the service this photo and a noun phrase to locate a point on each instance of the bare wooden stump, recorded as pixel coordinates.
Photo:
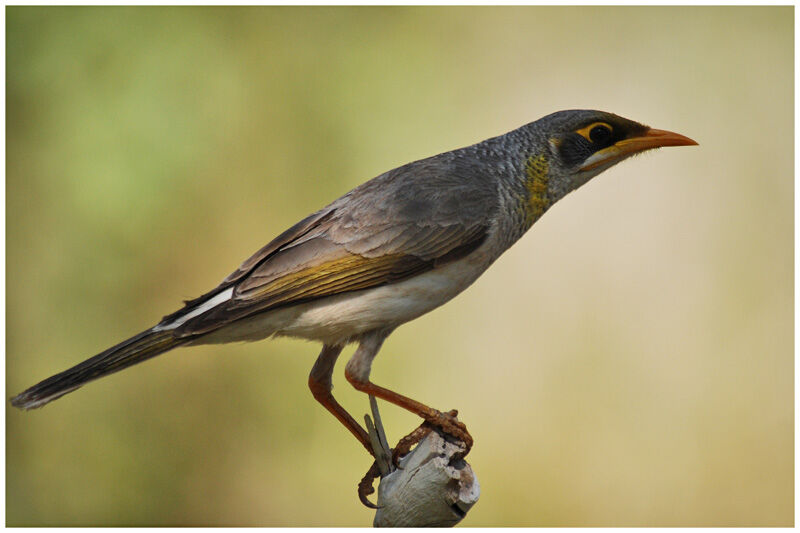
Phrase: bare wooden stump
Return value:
(432, 487)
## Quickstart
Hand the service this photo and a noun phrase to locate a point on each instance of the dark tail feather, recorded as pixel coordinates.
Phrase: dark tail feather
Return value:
(134, 350)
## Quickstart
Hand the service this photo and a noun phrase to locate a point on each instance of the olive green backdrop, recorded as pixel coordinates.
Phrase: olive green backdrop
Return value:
(628, 362)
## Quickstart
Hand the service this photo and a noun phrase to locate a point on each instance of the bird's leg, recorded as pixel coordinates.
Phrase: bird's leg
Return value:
(320, 383)
(357, 373)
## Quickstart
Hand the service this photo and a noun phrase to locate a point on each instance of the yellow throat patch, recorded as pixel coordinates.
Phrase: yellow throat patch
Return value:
(536, 170)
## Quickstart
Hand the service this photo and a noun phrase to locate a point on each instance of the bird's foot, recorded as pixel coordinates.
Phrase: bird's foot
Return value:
(450, 425)
(404, 446)
(447, 422)
(365, 485)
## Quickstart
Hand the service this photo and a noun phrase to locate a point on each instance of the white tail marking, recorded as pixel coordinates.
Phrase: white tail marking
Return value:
(222, 297)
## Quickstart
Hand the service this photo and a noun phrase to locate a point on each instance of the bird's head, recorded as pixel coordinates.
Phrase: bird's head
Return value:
(580, 144)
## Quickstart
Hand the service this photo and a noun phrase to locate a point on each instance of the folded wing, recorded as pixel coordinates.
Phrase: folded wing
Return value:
(396, 226)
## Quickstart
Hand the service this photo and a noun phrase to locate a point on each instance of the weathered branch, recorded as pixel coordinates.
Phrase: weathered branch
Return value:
(431, 487)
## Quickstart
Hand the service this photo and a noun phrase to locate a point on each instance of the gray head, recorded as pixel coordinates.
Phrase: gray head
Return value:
(569, 148)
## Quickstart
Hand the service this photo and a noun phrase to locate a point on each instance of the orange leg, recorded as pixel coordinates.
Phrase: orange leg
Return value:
(357, 373)
(319, 381)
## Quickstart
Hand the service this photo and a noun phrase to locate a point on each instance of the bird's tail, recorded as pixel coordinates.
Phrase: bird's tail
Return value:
(134, 350)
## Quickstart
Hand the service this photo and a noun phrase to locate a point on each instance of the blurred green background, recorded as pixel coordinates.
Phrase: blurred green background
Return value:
(628, 362)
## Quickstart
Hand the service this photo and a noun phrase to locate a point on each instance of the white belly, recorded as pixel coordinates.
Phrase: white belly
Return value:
(336, 319)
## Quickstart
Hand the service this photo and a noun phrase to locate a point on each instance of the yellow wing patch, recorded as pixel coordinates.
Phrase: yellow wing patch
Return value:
(343, 274)
(335, 271)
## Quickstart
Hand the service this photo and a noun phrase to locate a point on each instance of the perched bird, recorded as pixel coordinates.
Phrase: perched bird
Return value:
(390, 250)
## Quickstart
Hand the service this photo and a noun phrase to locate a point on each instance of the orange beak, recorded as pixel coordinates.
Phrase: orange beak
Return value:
(634, 145)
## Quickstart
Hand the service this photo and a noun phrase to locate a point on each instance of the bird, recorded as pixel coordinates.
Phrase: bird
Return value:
(385, 253)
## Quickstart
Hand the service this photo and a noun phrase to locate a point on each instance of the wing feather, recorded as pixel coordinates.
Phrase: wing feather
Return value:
(398, 225)
(345, 273)
(286, 238)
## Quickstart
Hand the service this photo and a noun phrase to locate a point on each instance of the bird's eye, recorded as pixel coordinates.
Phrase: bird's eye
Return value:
(600, 134)
(575, 147)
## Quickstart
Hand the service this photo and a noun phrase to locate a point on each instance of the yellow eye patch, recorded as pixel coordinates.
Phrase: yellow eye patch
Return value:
(584, 132)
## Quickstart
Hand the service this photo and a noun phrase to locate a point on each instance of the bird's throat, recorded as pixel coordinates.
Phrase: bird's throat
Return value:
(536, 183)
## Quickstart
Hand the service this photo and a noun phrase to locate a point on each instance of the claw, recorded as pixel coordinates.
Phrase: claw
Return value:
(405, 444)
(449, 424)
(365, 486)
(452, 426)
